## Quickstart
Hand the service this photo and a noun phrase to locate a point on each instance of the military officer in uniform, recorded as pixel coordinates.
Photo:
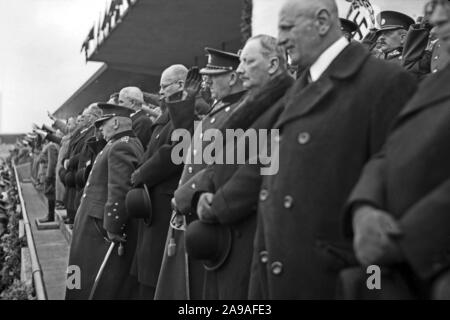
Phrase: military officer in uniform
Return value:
(101, 217)
(181, 278)
(392, 34)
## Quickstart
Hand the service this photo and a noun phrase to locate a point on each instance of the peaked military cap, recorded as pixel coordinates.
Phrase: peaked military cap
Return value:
(393, 20)
(111, 111)
(348, 26)
(220, 62)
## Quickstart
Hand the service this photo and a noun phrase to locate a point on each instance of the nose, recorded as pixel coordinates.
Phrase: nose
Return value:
(240, 69)
(439, 15)
(282, 40)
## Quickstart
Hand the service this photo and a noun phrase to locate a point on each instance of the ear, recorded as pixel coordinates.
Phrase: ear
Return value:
(323, 19)
(233, 79)
(274, 64)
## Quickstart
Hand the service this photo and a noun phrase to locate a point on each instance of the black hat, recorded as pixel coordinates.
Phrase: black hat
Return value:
(69, 179)
(348, 26)
(112, 110)
(393, 20)
(220, 62)
(80, 178)
(138, 204)
(208, 242)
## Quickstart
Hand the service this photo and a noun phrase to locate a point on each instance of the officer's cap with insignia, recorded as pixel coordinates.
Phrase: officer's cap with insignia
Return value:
(220, 62)
(348, 26)
(112, 110)
(393, 20)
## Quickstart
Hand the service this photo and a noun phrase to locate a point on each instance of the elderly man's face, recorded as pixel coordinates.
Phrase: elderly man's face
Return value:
(298, 35)
(169, 85)
(441, 19)
(125, 101)
(391, 39)
(254, 66)
(108, 128)
(219, 85)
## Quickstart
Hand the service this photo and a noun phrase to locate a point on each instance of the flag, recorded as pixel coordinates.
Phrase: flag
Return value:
(89, 37)
(362, 13)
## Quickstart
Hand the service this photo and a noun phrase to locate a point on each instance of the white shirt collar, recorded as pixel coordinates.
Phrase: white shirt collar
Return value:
(326, 58)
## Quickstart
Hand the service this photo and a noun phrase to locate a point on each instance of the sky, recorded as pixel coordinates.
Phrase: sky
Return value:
(40, 61)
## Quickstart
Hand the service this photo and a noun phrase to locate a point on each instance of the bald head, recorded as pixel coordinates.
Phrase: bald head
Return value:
(172, 80)
(307, 28)
(131, 97)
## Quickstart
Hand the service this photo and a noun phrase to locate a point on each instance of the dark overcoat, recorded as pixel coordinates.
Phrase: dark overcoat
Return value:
(329, 130)
(173, 282)
(410, 180)
(102, 209)
(161, 175)
(236, 188)
(142, 127)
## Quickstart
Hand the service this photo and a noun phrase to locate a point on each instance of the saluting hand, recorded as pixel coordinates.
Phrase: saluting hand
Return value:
(374, 237)
(204, 207)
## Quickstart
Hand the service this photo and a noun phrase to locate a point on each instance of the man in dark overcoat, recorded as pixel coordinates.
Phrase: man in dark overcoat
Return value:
(181, 278)
(161, 175)
(102, 217)
(228, 193)
(77, 143)
(337, 115)
(399, 210)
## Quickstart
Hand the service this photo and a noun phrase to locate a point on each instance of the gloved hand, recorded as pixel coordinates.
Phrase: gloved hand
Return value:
(204, 211)
(193, 82)
(375, 232)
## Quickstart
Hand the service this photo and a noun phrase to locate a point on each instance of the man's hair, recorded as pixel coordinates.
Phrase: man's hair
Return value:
(94, 110)
(270, 48)
(178, 72)
(134, 94)
(114, 98)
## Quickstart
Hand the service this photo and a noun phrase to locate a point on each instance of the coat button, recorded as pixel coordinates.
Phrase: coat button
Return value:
(213, 120)
(109, 214)
(84, 195)
(263, 194)
(435, 70)
(277, 268)
(193, 186)
(288, 201)
(157, 136)
(264, 257)
(190, 169)
(201, 135)
(227, 109)
(303, 138)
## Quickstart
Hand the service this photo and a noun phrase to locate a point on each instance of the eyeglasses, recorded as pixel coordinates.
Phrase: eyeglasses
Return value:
(165, 86)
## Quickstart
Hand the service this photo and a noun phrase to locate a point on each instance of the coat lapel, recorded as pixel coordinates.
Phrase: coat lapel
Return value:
(431, 91)
(304, 99)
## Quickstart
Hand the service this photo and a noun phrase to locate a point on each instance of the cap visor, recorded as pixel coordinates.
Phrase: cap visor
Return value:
(207, 71)
(100, 120)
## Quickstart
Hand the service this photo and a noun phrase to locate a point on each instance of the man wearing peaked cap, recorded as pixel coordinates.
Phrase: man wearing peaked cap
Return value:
(348, 28)
(392, 34)
(179, 278)
(102, 216)
(220, 62)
